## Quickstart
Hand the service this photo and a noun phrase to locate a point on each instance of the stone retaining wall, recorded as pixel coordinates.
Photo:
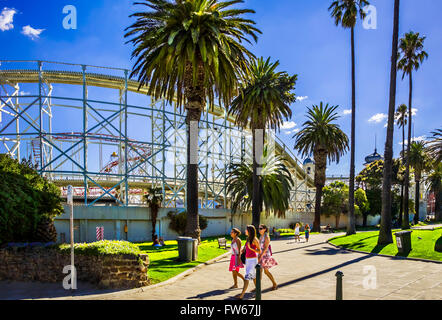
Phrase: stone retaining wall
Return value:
(46, 265)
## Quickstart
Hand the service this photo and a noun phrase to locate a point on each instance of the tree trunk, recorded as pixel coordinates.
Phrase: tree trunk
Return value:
(406, 221)
(438, 205)
(154, 216)
(385, 236)
(401, 206)
(364, 219)
(256, 213)
(320, 168)
(337, 218)
(417, 199)
(351, 227)
(192, 225)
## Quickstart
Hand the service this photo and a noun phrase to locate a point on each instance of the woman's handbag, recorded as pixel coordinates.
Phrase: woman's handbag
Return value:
(243, 257)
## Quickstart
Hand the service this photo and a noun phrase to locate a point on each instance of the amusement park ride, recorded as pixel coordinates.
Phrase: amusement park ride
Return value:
(76, 124)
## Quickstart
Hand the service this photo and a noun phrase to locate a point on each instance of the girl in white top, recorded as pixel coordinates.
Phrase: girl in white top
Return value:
(297, 232)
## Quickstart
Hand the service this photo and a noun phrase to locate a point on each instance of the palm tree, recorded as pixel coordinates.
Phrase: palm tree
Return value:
(401, 121)
(275, 182)
(419, 162)
(263, 101)
(411, 56)
(325, 140)
(191, 52)
(345, 13)
(385, 236)
(153, 199)
(435, 185)
(435, 145)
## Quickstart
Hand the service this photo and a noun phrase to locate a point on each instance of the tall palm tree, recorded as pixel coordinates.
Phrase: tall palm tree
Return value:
(401, 121)
(275, 182)
(434, 180)
(435, 145)
(263, 101)
(325, 140)
(346, 13)
(418, 158)
(412, 54)
(385, 236)
(191, 52)
(153, 199)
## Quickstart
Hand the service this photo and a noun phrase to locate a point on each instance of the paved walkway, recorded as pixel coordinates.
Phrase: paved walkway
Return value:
(305, 271)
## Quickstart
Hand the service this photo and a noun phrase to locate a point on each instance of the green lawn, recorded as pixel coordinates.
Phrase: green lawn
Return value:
(422, 248)
(163, 261)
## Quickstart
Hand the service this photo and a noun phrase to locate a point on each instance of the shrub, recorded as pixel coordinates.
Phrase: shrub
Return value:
(178, 222)
(27, 202)
(105, 247)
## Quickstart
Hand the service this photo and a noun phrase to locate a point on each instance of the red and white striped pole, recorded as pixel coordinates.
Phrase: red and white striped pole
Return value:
(100, 233)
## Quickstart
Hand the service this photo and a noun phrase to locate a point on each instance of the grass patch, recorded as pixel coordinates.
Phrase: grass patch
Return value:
(423, 243)
(102, 248)
(164, 262)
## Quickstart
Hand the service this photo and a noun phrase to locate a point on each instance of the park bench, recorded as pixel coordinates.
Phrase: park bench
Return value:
(324, 229)
(222, 243)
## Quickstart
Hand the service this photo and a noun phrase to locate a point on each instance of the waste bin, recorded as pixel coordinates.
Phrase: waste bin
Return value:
(185, 249)
(403, 241)
(195, 250)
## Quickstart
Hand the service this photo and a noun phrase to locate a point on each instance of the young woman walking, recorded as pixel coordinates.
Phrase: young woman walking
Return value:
(252, 249)
(265, 259)
(235, 260)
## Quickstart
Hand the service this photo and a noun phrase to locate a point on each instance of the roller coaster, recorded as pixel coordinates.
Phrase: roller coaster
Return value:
(98, 130)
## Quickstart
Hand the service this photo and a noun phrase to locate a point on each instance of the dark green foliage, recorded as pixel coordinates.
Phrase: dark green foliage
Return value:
(178, 222)
(26, 199)
(438, 245)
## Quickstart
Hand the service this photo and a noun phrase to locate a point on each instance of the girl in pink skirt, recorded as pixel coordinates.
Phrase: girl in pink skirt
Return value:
(235, 260)
(266, 259)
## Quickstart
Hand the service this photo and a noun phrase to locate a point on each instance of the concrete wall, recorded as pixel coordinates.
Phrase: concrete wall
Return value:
(139, 227)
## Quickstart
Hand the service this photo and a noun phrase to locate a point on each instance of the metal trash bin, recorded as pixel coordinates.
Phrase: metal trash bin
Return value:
(195, 250)
(403, 241)
(185, 249)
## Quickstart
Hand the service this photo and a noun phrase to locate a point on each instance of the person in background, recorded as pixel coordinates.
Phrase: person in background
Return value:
(235, 259)
(252, 250)
(265, 259)
(156, 242)
(162, 241)
(307, 232)
(297, 238)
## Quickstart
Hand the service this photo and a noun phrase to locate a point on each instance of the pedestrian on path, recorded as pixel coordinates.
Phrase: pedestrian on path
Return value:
(265, 259)
(251, 249)
(297, 238)
(235, 259)
(307, 232)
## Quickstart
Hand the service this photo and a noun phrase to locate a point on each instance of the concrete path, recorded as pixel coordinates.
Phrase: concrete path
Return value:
(306, 271)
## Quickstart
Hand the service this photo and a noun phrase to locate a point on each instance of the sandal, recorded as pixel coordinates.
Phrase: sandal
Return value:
(275, 288)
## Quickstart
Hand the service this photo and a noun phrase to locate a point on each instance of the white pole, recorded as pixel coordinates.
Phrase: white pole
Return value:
(70, 198)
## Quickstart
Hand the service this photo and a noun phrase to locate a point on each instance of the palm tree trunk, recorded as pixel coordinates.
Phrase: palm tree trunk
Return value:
(351, 228)
(416, 200)
(385, 236)
(401, 206)
(192, 225)
(256, 205)
(406, 222)
(320, 168)
(317, 221)
(154, 214)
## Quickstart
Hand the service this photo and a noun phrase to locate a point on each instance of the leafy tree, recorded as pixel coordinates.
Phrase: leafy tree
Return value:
(385, 236)
(434, 180)
(324, 139)
(419, 161)
(335, 200)
(263, 101)
(275, 183)
(191, 52)
(411, 56)
(27, 202)
(361, 201)
(435, 145)
(153, 199)
(346, 13)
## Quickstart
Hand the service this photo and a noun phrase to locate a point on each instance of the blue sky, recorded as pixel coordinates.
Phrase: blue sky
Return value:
(298, 33)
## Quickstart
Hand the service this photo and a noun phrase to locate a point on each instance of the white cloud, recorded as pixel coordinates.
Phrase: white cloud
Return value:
(414, 111)
(415, 139)
(301, 98)
(31, 32)
(288, 125)
(378, 118)
(6, 19)
(292, 131)
(347, 112)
